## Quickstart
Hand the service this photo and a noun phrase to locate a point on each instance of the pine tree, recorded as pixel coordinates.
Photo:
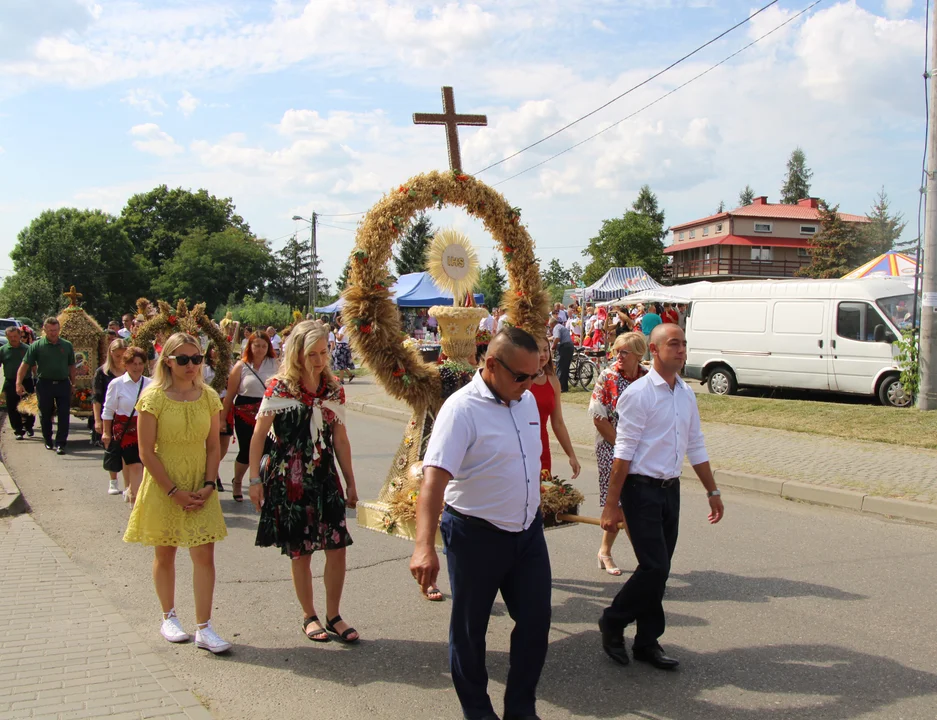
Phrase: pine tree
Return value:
(722, 207)
(342, 281)
(797, 185)
(884, 229)
(291, 283)
(491, 283)
(646, 204)
(412, 255)
(835, 250)
(747, 196)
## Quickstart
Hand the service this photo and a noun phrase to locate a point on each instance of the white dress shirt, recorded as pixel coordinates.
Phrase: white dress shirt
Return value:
(658, 427)
(501, 320)
(487, 324)
(492, 452)
(122, 395)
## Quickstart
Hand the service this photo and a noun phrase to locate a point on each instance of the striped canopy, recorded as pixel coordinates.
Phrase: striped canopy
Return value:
(619, 282)
(891, 264)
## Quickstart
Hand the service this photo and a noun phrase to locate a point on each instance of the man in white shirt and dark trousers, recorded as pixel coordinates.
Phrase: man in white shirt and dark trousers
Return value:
(658, 426)
(483, 460)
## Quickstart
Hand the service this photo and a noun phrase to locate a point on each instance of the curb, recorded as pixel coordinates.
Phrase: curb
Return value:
(12, 501)
(786, 489)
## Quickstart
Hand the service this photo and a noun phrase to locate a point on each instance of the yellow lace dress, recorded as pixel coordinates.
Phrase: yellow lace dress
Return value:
(181, 430)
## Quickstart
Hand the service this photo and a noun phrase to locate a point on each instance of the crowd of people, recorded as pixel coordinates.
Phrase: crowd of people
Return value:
(165, 432)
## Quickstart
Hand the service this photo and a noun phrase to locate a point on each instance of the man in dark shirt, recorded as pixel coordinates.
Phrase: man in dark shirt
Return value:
(54, 360)
(11, 356)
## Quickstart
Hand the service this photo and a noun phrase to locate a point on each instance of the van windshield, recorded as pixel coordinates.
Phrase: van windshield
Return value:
(898, 309)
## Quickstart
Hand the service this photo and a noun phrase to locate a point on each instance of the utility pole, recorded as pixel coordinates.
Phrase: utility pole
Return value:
(313, 271)
(927, 397)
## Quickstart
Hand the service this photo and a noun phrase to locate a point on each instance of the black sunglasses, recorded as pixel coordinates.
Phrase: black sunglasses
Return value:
(183, 360)
(519, 377)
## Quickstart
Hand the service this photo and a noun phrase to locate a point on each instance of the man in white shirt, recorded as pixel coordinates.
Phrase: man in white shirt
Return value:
(487, 324)
(561, 314)
(483, 460)
(275, 340)
(125, 331)
(658, 426)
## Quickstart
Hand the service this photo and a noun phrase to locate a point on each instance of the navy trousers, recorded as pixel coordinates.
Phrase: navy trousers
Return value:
(653, 517)
(54, 397)
(483, 560)
(21, 422)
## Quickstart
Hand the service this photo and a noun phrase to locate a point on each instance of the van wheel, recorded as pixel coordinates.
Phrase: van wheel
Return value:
(891, 393)
(722, 382)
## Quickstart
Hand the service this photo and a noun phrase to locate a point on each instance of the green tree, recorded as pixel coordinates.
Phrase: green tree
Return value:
(85, 248)
(258, 314)
(646, 204)
(796, 186)
(836, 249)
(575, 274)
(290, 282)
(555, 274)
(633, 240)
(722, 207)
(747, 196)
(159, 220)
(210, 267)
(491, 283)
(342, 281)
(883, 230)
(412, 255)
(30, 296)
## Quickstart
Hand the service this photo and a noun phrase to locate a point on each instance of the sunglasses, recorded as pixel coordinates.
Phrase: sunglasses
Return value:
(519, 377)
(183, 360)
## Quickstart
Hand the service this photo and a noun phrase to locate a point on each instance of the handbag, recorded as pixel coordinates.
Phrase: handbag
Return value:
(113, 457)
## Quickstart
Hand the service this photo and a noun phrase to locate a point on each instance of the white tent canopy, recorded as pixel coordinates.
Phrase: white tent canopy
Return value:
(675, 294)
(619, 282)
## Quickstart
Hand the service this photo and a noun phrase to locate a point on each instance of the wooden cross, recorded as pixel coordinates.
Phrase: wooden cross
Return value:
(449, 118)
(73, 296)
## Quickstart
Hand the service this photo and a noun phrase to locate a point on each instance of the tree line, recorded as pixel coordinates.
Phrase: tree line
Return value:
(165, 243)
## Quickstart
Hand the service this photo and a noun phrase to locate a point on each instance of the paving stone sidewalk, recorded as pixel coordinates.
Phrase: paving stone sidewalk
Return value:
(65, 652)
(874, 468)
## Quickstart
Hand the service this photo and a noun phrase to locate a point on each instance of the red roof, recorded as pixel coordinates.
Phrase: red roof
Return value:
(761, 208)
(766, 241)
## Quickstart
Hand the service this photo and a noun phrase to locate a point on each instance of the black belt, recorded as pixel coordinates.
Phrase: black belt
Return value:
(53, 382)
(656, 482)
(478, 521)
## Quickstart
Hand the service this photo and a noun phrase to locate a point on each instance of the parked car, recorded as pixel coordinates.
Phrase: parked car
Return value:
(834, 335)
(4, 324)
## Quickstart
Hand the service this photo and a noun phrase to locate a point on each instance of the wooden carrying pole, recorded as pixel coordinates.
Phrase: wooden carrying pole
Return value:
(565, 517)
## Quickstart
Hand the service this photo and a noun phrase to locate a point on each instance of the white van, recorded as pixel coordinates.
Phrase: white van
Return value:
(833, 335)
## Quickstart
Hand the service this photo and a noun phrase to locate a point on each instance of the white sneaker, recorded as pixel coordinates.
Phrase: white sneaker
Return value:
(113, 489)
(207, 639)
(126, 494)
(171, 629)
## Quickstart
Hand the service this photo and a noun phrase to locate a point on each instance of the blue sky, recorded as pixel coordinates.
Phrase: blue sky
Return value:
(293, 105)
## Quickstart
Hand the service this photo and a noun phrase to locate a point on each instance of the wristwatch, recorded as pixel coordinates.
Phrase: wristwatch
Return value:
(714, 493)
(255, 481)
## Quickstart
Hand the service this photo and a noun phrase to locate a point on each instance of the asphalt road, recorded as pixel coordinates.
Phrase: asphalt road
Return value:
(783, 611)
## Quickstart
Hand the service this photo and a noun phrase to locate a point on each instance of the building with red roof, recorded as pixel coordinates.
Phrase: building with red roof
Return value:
(761, 240)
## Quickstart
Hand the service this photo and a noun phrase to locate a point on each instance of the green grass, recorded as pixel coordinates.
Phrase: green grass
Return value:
(873, 423)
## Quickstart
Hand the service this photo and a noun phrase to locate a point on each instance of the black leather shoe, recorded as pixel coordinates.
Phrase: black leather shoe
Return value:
(49, 446)
(19, 436)
(59, 450)
(614, 644)
(31, 432)
(654, 655)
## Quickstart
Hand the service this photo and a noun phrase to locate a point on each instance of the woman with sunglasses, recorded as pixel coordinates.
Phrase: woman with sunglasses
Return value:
(298, 493)
(628, 351)
(177, 505)
(546, 391)
(246, 385)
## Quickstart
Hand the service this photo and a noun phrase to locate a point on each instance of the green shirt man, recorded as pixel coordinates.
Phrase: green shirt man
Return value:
(11, 358)
(53, 357)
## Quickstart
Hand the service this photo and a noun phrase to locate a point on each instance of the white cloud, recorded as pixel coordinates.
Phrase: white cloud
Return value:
(601, 26)
(154, 141)
(897, 9)
(188, 103)
(148, 101)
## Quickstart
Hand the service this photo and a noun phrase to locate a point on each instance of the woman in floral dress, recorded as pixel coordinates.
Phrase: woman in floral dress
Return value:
(298, 492)
(628, 349)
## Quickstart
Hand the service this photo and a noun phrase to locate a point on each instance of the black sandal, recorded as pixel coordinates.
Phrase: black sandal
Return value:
(330, 626)
(315, 637)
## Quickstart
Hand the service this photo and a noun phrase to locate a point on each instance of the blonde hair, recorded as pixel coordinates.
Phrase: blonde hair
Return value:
(298, 345)
(162, 373)
(118, 343)
(633, 342)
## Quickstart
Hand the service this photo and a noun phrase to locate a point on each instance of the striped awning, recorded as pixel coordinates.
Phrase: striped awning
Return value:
(619, 282)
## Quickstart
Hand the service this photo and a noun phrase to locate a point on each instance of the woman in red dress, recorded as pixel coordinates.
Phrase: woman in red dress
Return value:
(546, 390)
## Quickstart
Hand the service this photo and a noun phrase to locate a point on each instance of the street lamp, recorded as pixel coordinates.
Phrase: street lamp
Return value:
(313, 279)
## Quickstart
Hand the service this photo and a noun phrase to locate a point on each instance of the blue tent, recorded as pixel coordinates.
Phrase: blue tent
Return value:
(414, 290)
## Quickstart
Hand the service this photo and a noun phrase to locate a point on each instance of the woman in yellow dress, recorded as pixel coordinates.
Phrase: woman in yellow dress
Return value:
(177, 505)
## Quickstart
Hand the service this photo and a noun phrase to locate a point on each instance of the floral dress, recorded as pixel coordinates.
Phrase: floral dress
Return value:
(304, 505)
(604, 404)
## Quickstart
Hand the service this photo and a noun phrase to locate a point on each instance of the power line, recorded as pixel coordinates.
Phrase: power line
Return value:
(343, 214)
(630, 90)
(662, 97)
(322, 224)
